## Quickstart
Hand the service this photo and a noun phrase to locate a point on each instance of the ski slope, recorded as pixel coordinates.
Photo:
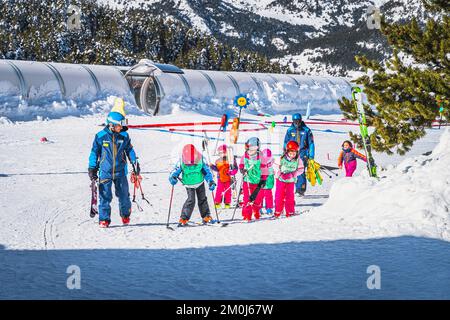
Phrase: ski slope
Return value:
(322, 253)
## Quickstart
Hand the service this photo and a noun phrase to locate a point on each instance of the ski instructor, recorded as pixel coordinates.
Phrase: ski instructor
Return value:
(109, 153)
(301, 134)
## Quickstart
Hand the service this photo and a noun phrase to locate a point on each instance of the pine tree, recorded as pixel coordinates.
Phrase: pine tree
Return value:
(405, 89)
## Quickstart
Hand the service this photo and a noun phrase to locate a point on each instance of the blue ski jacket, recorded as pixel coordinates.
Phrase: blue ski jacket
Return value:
(304, 137)
(109, 154)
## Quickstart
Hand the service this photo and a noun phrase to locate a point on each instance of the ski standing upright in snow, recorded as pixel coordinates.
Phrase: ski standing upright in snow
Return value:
(357, 98)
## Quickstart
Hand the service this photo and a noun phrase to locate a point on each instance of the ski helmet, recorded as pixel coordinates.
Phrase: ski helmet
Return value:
(292, 146)
(116, 118)
(296, 116)
(190, 155)
(252, 142)
(267, 153)
(222, 148)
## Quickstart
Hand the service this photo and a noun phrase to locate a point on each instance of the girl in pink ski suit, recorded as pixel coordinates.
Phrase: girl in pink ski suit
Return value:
(267, 171)
(289, 169)
(348, 156)
(224, 173)
(251, 168)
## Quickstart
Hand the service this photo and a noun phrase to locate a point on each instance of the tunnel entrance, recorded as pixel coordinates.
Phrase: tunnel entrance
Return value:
(150, 96)
(146, 88)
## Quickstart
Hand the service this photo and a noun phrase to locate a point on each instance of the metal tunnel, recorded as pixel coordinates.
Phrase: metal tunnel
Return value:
(149, 85)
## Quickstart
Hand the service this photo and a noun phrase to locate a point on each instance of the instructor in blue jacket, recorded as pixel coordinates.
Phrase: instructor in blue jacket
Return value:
(108, 163)
(300, 133)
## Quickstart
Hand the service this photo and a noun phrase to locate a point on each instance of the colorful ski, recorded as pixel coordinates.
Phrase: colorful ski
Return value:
(357, 99)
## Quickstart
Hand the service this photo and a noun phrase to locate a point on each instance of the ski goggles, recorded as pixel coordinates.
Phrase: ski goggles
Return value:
(123, 122)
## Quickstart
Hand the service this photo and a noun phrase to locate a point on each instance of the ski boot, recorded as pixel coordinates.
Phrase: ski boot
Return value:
(218, 206)
(227, 206)
(104, 224)
(277, 214)
(300, 193)
(182, 222)
(208, 220)
(125, 220)
(269, 211)
(289, 214)
(262, 211)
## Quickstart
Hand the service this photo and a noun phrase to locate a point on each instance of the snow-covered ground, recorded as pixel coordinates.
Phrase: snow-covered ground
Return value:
(399, 223)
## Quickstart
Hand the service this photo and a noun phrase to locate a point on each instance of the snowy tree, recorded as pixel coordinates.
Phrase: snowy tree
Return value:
(406, 89)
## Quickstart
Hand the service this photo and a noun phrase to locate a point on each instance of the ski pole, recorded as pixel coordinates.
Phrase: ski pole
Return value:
(170, 209)
(205, 148)
(328, 175)
(237, 202)
(137, 184)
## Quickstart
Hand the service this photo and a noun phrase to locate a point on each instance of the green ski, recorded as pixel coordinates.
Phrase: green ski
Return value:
(357, 99)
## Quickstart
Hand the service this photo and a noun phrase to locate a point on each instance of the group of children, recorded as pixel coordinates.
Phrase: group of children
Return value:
(260, 174)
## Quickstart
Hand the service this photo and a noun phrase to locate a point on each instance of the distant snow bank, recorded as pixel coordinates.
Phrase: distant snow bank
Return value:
(22, 111)
(411, 198)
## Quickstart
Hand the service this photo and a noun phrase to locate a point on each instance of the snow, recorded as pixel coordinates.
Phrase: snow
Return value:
(409, 199)
(323, 253)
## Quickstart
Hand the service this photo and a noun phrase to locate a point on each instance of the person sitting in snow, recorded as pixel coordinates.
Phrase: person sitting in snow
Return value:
(289, 168)
(194, 171)
(268, 173)
(224, 173)
(110, 149)
(348, 156)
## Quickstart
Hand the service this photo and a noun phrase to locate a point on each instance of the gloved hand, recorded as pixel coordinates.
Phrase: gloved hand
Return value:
(244, 171)
(173, 180)
(93, 173)
(212, 185)
(138, 167)
(262, 183)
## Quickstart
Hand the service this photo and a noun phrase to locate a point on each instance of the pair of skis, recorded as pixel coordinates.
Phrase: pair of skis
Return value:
(357, 100)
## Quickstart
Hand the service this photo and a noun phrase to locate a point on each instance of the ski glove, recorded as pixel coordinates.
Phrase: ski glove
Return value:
(93, 173)
(173, 181)
(212, 185)
(138, 168)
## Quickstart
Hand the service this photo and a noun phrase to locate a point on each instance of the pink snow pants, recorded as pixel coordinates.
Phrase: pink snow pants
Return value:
(221, 187)
(350, 168)
(268, 198)
(285, 197)
(247, 209)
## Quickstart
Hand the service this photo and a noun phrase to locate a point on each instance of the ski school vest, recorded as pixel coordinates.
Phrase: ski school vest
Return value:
(192, 174)
(253, 168)
(287, 167)
(270, 181)
(223, 167)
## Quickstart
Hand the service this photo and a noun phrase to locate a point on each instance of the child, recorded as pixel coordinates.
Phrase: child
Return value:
(288, 170)
(349, 155)
(250, 167)
(268, 174)
(109, 152)
(194, 170)
(224, 174)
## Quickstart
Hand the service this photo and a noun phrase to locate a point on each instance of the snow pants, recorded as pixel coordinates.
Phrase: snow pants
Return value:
(220, 195)
(301, 179)
(189, 205)
(285, 197)
(350, 168)
(248, 209)
(105, 195)
(267, 198)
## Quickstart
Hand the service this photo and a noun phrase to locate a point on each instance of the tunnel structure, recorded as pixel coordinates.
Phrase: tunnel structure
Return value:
(150, 85)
